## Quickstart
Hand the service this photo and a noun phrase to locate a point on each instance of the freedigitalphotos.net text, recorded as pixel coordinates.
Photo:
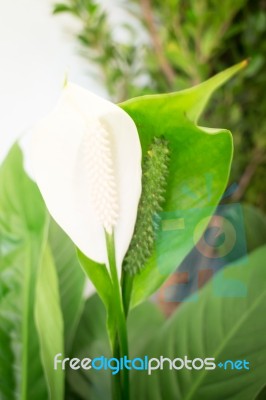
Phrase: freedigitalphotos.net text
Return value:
(145, 364)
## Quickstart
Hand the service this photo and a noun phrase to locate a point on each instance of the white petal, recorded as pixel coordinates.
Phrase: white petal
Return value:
(61, 172)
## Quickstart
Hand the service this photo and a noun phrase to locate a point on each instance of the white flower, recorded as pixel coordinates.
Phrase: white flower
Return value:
(86, 157)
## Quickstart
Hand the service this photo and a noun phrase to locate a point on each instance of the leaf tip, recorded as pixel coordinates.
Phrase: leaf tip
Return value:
(245, 63)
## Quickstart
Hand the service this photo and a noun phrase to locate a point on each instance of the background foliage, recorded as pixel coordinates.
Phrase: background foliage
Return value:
(159, 46)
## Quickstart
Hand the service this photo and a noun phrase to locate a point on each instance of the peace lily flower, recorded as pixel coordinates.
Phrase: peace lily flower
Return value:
(86, 157)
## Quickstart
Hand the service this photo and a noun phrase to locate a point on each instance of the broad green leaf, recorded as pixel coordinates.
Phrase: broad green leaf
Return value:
(71, 280)
(262, 394)
(249, 225)
(255, 227)
(143, 323)
(200, 160)
(193, 101)
(99, 276)
(23, 234)
(49, 322)
(101, 280)
(227, 322)
(91, 341)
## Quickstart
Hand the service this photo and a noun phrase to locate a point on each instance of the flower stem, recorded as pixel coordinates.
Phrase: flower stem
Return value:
(127, 285)
(120, 347)
(116, 379)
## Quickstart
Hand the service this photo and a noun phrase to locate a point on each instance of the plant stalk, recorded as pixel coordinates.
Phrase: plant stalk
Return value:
(120, 347)
(127, 285)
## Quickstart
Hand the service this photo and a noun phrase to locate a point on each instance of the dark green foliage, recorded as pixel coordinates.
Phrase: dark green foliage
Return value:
(154, 180)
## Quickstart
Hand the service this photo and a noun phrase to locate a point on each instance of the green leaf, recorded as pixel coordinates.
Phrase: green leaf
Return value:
(71, 280)
(49, 322)
(61, 8)
(23, 235)
(101, 280)
(143, 323)
(91, 341)
(200, 160)
(248, 233)
(262, 394)
(255, 227)
(226, 322)
(99, 276)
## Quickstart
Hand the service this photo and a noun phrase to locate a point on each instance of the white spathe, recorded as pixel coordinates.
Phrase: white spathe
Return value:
(86, 158)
